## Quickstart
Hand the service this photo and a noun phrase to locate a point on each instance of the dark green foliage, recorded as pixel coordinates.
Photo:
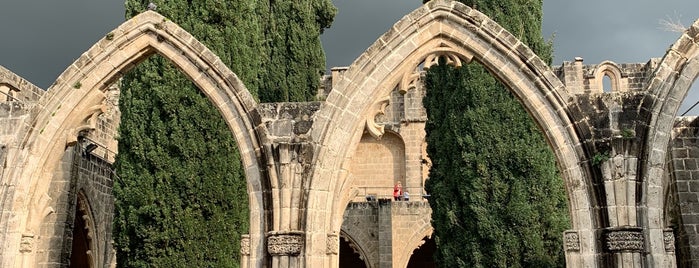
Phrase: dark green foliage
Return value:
(296, 59)
(181, 199)
(497, 198)
(233, 30)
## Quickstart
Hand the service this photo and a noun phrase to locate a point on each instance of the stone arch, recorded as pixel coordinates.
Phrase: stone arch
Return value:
(413, 242)
(667, 87)
(357, 248)
(83, 209)
(611, 70)
(79, 91)
(448, 27)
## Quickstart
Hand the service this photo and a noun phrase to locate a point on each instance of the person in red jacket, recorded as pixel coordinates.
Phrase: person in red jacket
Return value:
(397, 192)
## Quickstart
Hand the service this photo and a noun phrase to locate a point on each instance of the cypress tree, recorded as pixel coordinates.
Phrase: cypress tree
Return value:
(497, 198)
(296, 59)
(178, 165)
(181, 197)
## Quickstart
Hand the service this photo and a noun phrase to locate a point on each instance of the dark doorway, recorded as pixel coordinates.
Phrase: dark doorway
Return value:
(81, 244)
(349, 258)
(423, 256)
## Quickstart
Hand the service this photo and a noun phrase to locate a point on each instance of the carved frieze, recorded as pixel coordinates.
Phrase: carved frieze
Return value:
(245, 245)
(284, 243)
(572, 241)
(625, 239)
(669, 240)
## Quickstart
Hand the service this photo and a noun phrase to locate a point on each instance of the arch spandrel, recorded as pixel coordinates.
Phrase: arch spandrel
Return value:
(468, 34)
(79, 91)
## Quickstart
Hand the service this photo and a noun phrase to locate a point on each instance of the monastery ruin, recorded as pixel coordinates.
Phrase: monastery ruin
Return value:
(320, 173)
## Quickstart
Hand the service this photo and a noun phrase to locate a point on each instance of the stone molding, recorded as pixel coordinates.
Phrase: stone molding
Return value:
(626, 238)
(245, 245)
(286, 243)
(571, 240)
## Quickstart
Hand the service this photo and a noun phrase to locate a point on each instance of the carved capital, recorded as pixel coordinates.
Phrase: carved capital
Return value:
(333, 244)
(26, 244)
(245, 245)
(669, 240)
(627, 238)
(571, 241)
(287, 243)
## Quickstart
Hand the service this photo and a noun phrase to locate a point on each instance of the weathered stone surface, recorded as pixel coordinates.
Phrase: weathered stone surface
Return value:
(630, 170)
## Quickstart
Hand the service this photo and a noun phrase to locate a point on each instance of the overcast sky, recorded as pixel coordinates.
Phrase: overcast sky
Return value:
(39, 38)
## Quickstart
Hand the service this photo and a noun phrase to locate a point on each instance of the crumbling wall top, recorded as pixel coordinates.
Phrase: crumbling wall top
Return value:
(582, 78)
(15, 88)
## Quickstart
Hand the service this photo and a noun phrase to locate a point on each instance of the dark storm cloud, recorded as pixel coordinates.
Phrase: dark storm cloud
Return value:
(358, 24)
(621, 31)
(42, 38)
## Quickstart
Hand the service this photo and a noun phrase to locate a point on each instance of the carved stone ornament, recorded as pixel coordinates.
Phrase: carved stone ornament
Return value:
(379, 107)
(451, 56)
(625, 239)
(669, 240)
(333, 244)
(245, 245)
(26, 244)
(285, 243)
(571, 240)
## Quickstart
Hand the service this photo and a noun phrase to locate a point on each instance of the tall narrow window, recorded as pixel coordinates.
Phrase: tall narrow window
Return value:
(606, 84)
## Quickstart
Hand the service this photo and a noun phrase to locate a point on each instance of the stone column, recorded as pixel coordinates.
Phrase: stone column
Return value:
(385, 233)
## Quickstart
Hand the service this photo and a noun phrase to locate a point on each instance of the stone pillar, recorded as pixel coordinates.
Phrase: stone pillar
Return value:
(385, 233)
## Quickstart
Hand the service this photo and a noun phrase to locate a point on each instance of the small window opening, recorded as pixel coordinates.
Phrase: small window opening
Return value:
(606, 84)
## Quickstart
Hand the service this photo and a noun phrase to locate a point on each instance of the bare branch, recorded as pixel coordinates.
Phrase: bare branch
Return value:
(672, 25)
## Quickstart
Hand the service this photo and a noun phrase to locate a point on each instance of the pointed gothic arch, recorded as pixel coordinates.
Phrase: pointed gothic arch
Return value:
(667, 88)
(447, 28)
(70, 103)
(413, 242)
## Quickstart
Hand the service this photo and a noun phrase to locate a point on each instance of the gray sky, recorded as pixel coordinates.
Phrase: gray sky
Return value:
(42, 38)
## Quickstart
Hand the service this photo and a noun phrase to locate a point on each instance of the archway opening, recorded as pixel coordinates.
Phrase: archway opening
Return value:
(606, 84)
(81, 245)
(348, 257)
(423, 256)
(176, 150)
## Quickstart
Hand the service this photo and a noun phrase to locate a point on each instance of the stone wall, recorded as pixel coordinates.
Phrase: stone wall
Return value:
(361, 226)
(12, 114)
(81, 175)
(683, 170)
(589, 78)
(94, 178)
(379, 165)
(386, 232)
